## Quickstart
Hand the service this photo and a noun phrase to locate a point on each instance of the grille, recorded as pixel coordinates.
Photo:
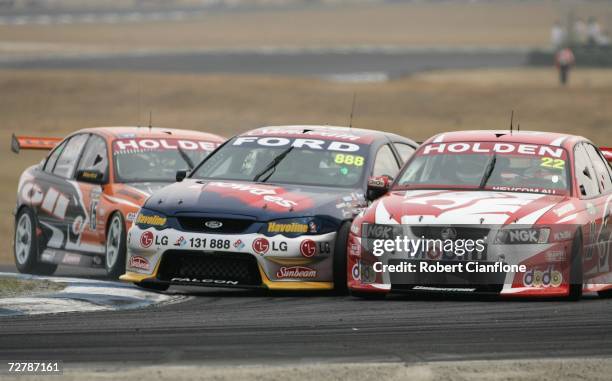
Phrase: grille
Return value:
(230, 225)
(215, 266)
(463, 232)
(481, 282)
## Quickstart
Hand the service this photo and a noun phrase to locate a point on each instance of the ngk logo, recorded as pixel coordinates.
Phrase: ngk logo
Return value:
(523, 236)
(377, 231)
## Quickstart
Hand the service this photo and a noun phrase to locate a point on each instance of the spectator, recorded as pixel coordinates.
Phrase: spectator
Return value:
(580, 32)
(595, 35)
(564, 61)
(557, 35)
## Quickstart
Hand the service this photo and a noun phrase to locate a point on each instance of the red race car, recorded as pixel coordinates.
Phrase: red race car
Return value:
(76, 205)
(512, 214)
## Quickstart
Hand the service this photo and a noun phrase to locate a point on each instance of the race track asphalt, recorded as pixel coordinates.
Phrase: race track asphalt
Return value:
(352, 62)
(219, 326)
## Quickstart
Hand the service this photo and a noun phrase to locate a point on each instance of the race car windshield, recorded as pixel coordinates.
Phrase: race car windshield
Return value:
(512, 167)
(156, 160)
(287, 161)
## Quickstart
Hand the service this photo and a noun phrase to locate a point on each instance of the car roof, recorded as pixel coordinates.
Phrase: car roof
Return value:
(505, 136)
(153, 132)
(337, 132)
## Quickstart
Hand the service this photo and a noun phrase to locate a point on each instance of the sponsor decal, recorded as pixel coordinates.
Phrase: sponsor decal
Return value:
(130, 145)
(266, 194)
(355, 273)
(312, 227)
(562, 235)
(319, 133)
(78, 225)
(555, 256)
(591, 208)
(48, 255)
(378, 182)
(296, 272)
(131, 216)
(261, 246)
(239, 245)
(293, 228)
(181, 242)
(146, 239)
(32, 194)
(324, 247)
(444, 289)
(547, 278)
(94, 196)
(313, 144)
(152, 220)
(524, 189)
(138, 262)
(206, 281)
(279, 246)
(213, 224)
(71, 259)
(55, 203)
(308, 248)
(500, 148)
(564, 209)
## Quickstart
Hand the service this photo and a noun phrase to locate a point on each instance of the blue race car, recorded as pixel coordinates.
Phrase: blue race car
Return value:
(270, 208)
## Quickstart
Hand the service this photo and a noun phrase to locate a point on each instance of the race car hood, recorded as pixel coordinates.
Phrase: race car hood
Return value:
(260, 201)
(460, 207)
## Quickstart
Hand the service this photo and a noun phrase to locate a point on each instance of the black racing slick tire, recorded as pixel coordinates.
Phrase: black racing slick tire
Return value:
(576, 274)
(25, 246)
(152, 286)
(115, 247)
(340, 282)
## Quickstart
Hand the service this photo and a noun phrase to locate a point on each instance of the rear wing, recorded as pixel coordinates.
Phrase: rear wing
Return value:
(31, 142)
(607, 152)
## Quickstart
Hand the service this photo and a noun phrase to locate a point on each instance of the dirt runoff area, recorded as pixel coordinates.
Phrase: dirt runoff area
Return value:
(494, 370)
(13, 287)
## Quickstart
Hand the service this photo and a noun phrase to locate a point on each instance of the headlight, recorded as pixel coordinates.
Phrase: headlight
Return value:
(148, 218)
(292, 227)
(528, 236)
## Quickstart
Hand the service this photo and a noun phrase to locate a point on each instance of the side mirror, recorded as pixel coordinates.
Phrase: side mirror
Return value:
(90, 176)
(180, 175)
(377, 187)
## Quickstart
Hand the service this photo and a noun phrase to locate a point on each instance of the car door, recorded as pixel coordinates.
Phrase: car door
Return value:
(61, 205)
(602, 235)
(93, 158)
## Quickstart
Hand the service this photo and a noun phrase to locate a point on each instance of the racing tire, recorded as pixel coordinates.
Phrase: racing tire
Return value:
(368, 295)
(150, 286)
(339, 260)
(576, 275)
(115, 247)
(25, 246)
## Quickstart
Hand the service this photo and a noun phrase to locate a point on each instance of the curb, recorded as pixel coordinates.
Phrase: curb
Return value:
(82, 295)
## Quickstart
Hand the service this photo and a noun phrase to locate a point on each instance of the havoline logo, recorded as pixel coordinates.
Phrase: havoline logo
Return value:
(293, 227)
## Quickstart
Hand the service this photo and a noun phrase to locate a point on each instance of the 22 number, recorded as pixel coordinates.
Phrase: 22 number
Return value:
(549, 162)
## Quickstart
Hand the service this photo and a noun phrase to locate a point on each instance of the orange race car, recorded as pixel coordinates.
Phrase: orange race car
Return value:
(76, 205)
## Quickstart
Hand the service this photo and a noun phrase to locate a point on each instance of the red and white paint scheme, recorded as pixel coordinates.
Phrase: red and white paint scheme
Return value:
(558, 183)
